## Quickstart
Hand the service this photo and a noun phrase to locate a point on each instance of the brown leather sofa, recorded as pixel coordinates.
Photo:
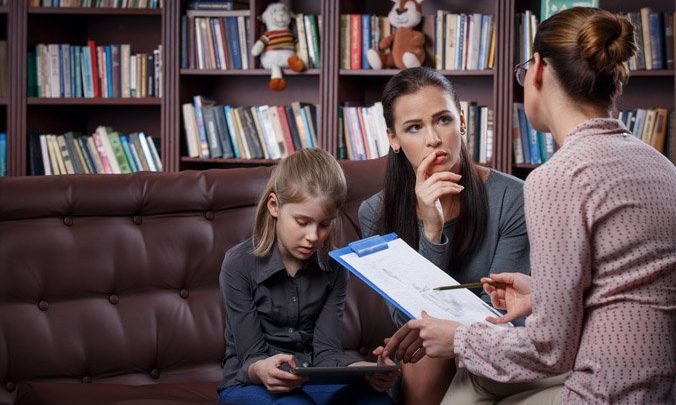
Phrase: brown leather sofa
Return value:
(109, 283)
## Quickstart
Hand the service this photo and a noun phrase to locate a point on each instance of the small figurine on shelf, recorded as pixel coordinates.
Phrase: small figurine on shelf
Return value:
(277, 45)
(406, 47)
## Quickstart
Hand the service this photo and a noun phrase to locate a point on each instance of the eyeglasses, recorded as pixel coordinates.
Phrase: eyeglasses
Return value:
(520, 71)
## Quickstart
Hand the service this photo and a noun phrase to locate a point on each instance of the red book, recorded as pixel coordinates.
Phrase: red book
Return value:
(93, 55)
(284, 123)
(355, 41)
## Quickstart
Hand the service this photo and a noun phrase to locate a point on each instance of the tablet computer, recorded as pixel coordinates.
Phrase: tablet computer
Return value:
(339, 375)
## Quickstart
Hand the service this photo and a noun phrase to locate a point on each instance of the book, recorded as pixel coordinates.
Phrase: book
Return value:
(550, 7)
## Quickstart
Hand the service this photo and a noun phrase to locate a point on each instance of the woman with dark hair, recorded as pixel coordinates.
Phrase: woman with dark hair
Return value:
(465, 218)
(602, 225)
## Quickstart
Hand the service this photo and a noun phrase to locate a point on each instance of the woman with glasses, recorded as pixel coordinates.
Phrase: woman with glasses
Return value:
(602, 225)
(465, 218)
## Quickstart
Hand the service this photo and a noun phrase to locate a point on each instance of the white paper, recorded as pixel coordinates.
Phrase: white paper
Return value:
(408, 279)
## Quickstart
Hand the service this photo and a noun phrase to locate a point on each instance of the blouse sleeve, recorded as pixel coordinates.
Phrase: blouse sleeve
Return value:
(555, 207)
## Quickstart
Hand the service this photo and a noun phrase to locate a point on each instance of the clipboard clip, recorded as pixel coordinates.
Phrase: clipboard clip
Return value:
(369, 245)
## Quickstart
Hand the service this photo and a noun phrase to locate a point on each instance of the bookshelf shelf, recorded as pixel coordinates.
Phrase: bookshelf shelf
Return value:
(244, 72)
(392, 72)
(95, 11)
(230, 162)
(653, 73)
(94, 101)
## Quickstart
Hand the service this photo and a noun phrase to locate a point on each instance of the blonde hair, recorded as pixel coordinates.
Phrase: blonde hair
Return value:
(589, 49)
(308, 173)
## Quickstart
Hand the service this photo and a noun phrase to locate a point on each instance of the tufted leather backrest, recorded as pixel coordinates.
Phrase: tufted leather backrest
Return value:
(115, 278)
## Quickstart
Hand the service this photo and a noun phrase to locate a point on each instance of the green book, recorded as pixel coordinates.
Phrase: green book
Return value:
(119, 152)
(550, 7)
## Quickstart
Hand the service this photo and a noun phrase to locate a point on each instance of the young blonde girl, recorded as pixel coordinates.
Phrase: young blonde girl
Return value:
(284, 298)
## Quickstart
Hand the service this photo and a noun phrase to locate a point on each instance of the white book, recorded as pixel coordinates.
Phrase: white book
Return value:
(301, 45)
(45, 155)
(133, 76)
(268, 132)
(53, 78)
(125, 58)
(190, 126)
(223, 64)
(146, 152)
(91, 145)
(154, 153)
(243, 45)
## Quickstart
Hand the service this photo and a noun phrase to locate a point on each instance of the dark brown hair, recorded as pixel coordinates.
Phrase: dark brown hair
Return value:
(399, 202)
(588, 49)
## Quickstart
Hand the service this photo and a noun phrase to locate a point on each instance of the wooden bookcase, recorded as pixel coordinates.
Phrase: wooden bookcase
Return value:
(646, 88)
(329, 86)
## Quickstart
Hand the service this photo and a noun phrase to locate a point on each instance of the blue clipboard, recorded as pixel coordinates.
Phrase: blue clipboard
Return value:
(364, 247)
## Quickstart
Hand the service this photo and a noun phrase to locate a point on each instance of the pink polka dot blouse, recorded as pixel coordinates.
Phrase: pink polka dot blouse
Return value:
(601, 217)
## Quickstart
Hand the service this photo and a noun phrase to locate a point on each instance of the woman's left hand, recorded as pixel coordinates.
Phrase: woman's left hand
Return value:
(435, 337)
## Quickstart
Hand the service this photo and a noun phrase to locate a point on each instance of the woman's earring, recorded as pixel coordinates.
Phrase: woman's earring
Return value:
(396, 150)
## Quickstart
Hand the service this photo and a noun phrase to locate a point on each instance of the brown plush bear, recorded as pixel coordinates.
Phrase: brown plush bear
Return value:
(406, 46)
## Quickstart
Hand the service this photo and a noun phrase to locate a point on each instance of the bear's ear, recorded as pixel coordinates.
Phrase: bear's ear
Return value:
(395, 1)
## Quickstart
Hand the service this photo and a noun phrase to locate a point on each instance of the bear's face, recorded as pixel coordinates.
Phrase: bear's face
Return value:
(405, 13)
(276, 17)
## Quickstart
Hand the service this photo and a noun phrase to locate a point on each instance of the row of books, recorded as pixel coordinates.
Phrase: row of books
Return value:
(363, 132)
(248, 132)
(654, 36)
(653, 33)
(464, 41)
(215, 40)
(104, 151)
(529, 145)
(63, 70)
(480, 132)
(358, 34)
(649, 125)
(99, 3)
(3, 154)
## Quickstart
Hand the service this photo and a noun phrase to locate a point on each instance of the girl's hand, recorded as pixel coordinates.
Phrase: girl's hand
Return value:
(428, 191)
(510, 292)
(435, 338)
(267, 372)
(383, 381)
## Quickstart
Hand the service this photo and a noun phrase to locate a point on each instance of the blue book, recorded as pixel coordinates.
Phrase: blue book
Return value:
(109, 71)
(201, 130)
(77, 69)
(523, 132)
(365, 40)
(62, 92)
(233, 42)
(231, 131)
(3, 154)
(124, 140)
(656, 26)
(184, 42)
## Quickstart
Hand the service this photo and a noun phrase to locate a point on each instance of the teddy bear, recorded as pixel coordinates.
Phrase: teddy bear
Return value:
(277, 46)
(406, 46)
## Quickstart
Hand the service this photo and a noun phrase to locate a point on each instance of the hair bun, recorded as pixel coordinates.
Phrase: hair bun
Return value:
(605, 41)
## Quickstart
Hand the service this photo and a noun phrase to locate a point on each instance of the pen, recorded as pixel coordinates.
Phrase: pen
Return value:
(466, 285)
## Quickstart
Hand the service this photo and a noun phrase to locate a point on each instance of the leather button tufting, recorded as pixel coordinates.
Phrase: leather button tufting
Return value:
(137, 219)
(363, 351)
(10, 386)
(184, 293)
(209, 215)
(86, 379)
(155, 374)
(43, 305)
(113, 299)
(68, 221)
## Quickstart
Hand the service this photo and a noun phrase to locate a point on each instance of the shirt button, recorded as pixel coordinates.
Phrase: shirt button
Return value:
(294, 299)
(290, 330)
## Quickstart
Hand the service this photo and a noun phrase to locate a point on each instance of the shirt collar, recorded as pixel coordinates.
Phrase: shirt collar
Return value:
(267, 266)
(597, 126)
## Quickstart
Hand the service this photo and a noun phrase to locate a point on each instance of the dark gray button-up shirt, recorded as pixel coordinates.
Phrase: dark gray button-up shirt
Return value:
(269, 312)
